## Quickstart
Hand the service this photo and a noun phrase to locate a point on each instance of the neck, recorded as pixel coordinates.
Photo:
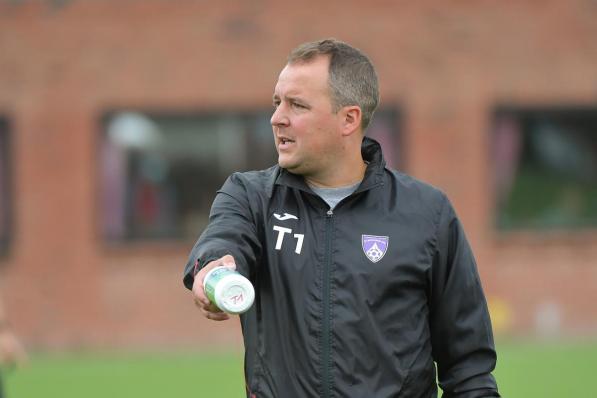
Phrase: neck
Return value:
(339, 177)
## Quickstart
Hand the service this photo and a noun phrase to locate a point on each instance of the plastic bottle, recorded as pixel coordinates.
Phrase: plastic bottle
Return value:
(228, 290)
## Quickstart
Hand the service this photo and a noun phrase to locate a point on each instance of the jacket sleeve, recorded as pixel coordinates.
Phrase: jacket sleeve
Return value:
(461, 335)
(231, 230)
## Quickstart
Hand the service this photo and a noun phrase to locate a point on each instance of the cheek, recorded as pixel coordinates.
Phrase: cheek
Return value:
(325, 134)
(300, 125)
(304, 132)
(314, 133)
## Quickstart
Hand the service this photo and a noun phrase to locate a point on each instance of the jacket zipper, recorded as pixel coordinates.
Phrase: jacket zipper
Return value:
(326, 327)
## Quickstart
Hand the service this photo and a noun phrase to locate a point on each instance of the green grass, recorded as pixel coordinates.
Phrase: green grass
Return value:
(128, 375)
(524, 370)
(541, 370)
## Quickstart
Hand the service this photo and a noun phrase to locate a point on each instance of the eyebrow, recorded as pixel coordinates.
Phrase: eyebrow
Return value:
(289, 98)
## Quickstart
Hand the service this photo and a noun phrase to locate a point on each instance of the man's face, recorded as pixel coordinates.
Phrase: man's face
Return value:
(306, 131)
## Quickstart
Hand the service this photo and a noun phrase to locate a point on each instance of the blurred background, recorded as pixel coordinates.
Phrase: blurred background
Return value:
(120, 119)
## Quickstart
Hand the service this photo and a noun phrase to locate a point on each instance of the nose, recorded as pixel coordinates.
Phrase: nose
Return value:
(279, 118)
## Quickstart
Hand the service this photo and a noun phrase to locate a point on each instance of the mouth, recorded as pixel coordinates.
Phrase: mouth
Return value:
(284, 142)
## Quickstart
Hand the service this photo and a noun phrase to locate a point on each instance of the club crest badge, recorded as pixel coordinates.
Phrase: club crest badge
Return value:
(374, 247)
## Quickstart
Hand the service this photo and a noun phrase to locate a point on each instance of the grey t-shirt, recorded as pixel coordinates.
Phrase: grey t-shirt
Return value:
(332, 196)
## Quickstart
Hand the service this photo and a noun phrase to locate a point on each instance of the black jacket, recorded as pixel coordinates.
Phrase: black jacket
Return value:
(358, 302)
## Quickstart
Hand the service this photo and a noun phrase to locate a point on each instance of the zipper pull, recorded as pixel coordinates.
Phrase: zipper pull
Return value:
(330, 213)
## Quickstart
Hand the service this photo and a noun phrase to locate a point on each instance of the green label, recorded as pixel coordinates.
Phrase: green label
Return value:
(214, 277)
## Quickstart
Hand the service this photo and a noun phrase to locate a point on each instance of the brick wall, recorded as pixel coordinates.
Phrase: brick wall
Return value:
(63, 63)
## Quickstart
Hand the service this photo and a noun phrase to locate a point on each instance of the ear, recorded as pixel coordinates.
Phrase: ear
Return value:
(351, 119)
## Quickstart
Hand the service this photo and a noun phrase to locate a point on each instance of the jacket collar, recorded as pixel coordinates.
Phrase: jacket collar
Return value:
(372, 154)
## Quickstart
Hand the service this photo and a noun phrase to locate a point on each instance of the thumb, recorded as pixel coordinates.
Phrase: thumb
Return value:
(228, 262)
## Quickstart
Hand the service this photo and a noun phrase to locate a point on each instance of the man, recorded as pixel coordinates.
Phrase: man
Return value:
(11, 351)
(363, 275)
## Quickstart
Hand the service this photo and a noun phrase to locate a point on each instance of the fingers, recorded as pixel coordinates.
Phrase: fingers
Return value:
(198, 292)
(216, 316)
(209, 310)
(228, 261)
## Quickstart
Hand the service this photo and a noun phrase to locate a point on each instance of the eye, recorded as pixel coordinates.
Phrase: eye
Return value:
(297, 105)
(276, 104)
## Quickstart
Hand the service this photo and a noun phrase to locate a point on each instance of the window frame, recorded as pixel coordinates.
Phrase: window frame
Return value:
(7, 205)
(527, 233)
(391, 112)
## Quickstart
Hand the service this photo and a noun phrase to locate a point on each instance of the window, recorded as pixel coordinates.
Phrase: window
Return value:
(545, 168)
(5, 186)
(160, 172)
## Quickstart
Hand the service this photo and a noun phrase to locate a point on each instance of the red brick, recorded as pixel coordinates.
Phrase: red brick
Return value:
(446, 67)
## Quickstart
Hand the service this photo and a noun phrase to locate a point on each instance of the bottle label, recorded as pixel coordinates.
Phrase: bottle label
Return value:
(212, 278)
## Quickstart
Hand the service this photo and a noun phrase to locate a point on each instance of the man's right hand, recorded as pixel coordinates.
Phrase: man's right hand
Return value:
(207, 308)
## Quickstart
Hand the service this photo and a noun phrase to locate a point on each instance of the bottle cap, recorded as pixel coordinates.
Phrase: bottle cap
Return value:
(234, 294)
(229, 290)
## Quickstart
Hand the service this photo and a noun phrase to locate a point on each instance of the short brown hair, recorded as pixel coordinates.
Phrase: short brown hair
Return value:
(352, 77)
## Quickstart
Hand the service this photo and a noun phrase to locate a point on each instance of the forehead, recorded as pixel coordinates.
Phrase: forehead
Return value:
(304, 78)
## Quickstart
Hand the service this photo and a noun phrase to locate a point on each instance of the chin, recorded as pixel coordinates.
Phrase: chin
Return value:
(293, 168)
(285, 163)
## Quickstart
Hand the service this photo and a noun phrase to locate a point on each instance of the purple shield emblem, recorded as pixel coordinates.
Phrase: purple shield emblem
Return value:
(374, 247)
